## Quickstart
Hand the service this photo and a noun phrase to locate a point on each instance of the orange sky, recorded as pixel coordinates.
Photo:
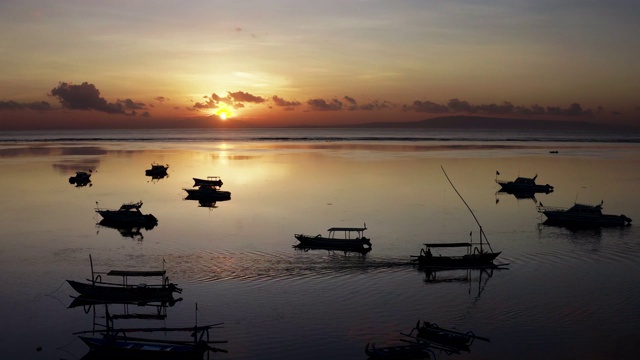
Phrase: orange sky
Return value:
(165, 63)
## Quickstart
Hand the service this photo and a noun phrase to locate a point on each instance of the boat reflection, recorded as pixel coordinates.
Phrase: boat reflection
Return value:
(127, 230)
(160, 307)
(479, 276)
(306, 248)
(518, 195)
(204, 201)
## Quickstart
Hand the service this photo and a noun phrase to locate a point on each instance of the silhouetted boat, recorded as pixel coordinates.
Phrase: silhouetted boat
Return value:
(449, 339)
(97, 289)
(524, 185)
(474, 257)
(81, 178)
(127, 213)
(359, 242)
(119, 343)
(157, 170)
(582, 215)
(209, 181)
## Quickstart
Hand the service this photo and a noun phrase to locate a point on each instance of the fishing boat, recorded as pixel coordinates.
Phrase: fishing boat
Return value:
(123, 343)
(524, 185)
(582, 215)
(210, 181)
(98, 289)
(127, 213)
(445, 338)
(157, 170)
(207, 192)
(120, 344)
(81, 178)
(413, 350)
(477, 255)
(353, 238)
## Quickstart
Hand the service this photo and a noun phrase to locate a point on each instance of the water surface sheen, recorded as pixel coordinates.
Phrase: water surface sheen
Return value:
(565, 293)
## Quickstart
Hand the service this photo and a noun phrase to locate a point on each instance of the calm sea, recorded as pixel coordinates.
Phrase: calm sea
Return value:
(563, 293)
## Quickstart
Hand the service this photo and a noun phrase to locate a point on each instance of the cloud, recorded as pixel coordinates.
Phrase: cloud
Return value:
(287, 105)
(236, 100)
(14, 105)
(323, 105)
(241, 96)
(161, 99)
(427, 107)
(87, 97)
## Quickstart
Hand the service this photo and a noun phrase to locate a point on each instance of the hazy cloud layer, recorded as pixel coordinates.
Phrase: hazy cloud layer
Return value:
(505, 108)
(14, 105)
(87, 97)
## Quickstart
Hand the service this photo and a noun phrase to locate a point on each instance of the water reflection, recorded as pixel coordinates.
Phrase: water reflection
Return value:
(478, 277)
(346, 251)
(518, 195)
(127, 230)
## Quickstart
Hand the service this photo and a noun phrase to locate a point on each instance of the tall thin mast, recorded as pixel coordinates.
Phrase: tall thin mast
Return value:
(472, 214)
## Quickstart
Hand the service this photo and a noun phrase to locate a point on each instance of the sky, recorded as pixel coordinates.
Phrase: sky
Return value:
(161, 63)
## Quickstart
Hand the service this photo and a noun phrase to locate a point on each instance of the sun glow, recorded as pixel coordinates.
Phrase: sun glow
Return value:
(223, 113)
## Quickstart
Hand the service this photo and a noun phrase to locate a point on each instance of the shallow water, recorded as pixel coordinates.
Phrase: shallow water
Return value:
(565, 294)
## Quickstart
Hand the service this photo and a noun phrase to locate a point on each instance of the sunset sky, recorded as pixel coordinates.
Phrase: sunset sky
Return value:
(299, 62)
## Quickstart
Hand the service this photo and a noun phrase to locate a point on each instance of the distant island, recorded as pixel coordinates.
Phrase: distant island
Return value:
(488, 123)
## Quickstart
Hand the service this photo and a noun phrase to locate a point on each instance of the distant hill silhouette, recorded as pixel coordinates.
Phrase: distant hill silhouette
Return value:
(487, 123)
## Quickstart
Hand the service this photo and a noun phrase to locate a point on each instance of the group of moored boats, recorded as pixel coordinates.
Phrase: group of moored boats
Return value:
(110, 341)
(578, 215)
(128, 219)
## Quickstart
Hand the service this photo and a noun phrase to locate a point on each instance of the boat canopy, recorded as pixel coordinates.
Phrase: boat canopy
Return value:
(447, 244)
(347, 229)
(136, 273)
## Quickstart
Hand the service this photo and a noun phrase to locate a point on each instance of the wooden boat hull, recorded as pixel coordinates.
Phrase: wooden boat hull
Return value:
(559, 217)
(117, 348)
(458, 262)
(124, 292)
(515, 188)
(116, 216)
(332, 243)
(206, 182)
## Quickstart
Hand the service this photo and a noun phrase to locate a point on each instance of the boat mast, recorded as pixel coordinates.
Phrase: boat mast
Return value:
(472, 214)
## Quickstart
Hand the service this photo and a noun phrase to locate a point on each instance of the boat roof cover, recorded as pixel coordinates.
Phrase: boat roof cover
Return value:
(447, 244)
(347, 229)
(136, 273)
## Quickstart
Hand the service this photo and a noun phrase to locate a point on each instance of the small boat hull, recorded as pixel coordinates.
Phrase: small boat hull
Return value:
(213, 181)
(332, 243)
(115, 216)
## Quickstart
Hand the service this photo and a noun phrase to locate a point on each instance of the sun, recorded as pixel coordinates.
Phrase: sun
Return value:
(223, 113)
